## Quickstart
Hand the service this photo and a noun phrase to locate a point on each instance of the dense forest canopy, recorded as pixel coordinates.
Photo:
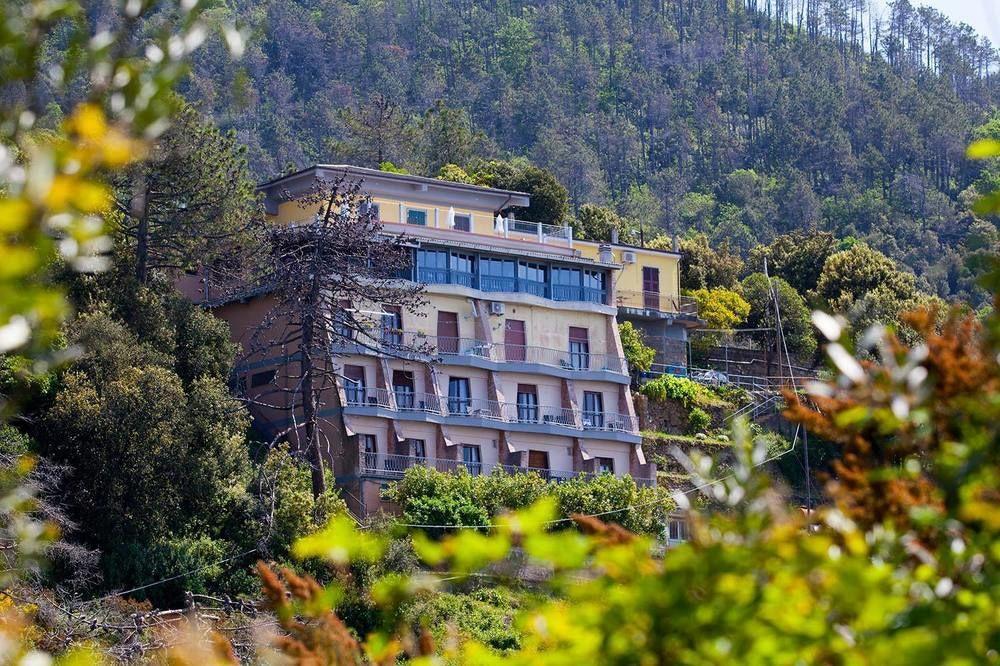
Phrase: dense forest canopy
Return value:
(742, 120)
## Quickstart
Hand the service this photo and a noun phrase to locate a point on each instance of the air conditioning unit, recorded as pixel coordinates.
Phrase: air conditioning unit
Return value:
(628, 257)
(496, 308)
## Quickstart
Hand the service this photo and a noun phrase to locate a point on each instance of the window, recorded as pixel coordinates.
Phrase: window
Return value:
(566, 284)
(369, 446)
(593, 409)
(532, 277)
(369, 208)
(392, 325)
(677, 530)
(604, 465)
(416, 216)
(418, 448)
(342, 318)
(463, 269)
(463, 222)
(402, 387)
(472, 457)
(432, 266)
(527, 403)
(497, 274)
(594, 287)
(354, 384)
(651, 287)
(459, 395)
(579, 348)
(259, 379)
(241, 386)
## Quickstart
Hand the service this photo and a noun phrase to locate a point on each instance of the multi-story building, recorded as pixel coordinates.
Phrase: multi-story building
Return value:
(515, 361)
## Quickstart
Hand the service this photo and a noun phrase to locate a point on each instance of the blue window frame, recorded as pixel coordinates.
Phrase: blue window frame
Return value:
(566, 284)
(416, 216)
(432, 266)
(593, 409)
(463, 269)
(594, 287)
(497, 274)
(459, 395)
(533, 278)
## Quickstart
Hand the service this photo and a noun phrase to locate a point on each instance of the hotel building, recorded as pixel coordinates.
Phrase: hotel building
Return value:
(514, 362)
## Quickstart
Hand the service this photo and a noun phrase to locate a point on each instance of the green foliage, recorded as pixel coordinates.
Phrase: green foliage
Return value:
(796, 319)
(429, 497)
(721, 308)
(638, 354)
(708, 266)
(698, 420)
(549, 198)
(797, 257)
(454, 173)
(485, 615)
(669, 387)
(287, 509)
(595, 223)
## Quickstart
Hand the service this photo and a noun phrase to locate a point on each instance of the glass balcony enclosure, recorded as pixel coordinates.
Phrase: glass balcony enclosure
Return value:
(506, 275)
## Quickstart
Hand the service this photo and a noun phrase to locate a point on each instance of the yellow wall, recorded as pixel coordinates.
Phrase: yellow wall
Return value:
(629, 278)
(389, 212)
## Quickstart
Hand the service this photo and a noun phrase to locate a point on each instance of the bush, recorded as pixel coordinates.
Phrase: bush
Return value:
(698, 420)
(669, 387)
(429, 497)
(638, 354)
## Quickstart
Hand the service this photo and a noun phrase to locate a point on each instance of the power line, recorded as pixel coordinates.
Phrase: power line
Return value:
(167, 580)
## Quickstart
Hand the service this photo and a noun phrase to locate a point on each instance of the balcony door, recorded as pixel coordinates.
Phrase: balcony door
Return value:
(514, 340)
(354, 380)
(392, 325)
(447, 332)
(459, 395)
(651, 287)
(402, 387)
(593, 409)
(579, 348)
(538, 460)
(527, 403)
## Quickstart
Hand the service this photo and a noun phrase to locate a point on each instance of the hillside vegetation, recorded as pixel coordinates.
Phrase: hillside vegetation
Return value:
(739, 120)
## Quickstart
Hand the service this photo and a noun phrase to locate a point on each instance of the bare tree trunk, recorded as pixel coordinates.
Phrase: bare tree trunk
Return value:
(140, 210)
(309, 397)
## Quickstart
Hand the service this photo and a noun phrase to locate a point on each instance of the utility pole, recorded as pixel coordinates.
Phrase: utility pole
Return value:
(791, 374)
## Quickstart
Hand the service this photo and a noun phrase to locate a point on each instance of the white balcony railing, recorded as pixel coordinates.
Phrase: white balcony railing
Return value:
(408, 343)
(492, 410)
(654, 300)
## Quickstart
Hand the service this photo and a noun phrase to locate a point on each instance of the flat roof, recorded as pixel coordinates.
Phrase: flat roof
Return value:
(348, 169)
(626, 246)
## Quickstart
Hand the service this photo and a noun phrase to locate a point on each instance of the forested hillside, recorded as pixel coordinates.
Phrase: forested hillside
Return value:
(739, 119)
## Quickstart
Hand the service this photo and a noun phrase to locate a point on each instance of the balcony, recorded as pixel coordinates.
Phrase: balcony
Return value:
(394, 466)
(408, 343)
(516, 416)
(656, 302)
(508, 284)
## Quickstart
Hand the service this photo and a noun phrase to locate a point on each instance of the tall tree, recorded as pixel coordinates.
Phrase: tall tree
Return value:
(323, 277)
(191, 203)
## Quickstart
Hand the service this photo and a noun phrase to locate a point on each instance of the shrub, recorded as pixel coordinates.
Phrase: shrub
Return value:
(698, 420)
(638, 354)
(681, 389)
(429, 497)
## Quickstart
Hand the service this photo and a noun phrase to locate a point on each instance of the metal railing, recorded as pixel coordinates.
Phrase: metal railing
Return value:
(514, 412)
(403, 400)
(410, 401)
(408, 342)
(654, 300)
(394, 465)
(609, 421)
(537, 229)
(362, 396)
(509, 284)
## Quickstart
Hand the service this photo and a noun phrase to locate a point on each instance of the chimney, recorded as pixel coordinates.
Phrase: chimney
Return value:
(604, 254)
(614, 235)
